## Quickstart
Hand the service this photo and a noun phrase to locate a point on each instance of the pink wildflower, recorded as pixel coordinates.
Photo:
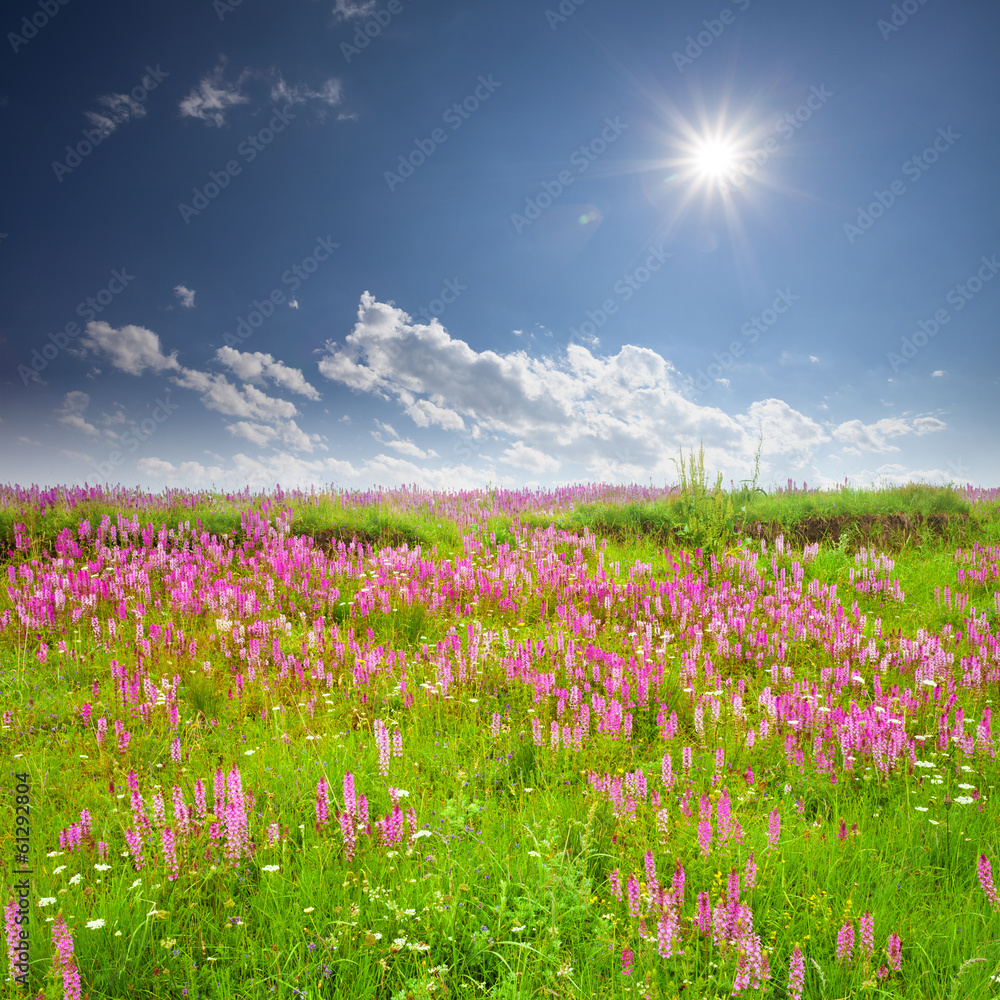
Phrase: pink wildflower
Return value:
(867, 922)
(626, 962)
(705, 836)
(845, 942)
(773, 828)
(986, 880)
(894, 952)
(322, 801)
(796, 975)
(750, 872)
(704, 914)
(170, 852)
(633, 895)
(616, 884)
(64, 960)
(13, 934)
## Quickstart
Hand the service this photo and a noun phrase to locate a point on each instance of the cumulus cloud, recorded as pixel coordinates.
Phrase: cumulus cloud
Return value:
(859, 437)
(185, 296)
(71, 413)
(258, 366)
(616, 415)
(131, 349)
(523, 457)
(213, 97)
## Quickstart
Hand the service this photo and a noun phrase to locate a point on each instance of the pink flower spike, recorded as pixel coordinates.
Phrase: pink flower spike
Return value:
(796, 975)
(845, 943)
(986, 881)
(894, 952)
(773, 828)
(867, 922)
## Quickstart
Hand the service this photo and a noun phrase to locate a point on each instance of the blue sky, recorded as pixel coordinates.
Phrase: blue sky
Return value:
(458, 243)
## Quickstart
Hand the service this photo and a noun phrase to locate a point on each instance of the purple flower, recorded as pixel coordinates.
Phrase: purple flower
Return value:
(986, 880)
(845, 942)
(894, 952)
(867, 922)
(796, 975)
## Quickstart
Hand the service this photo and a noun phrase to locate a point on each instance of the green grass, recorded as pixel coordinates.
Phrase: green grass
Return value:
(510, 892)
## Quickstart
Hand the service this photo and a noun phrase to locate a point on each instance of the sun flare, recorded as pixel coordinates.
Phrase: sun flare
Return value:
(714, 159)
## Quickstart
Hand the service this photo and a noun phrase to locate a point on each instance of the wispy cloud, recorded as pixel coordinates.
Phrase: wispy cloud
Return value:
(257, 366)
(214, 96)
(185, 296)
(118, 109)
(346, 10)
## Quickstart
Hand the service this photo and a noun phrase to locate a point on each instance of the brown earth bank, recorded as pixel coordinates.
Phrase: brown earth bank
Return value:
(888, 532)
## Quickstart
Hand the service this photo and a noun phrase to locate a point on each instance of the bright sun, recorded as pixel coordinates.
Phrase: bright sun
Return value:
(712, 160)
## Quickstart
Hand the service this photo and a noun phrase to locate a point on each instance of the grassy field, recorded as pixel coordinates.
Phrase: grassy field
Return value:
(598, 742)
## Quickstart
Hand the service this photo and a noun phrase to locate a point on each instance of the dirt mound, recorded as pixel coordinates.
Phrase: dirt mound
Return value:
(888, 532)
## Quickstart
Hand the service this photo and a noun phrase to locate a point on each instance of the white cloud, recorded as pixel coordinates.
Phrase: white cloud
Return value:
(861, 437)
(118, 109)
(330, 94)
(213, 97)
(618, 415)
(71, 413)
(938, 374)
(185, 296)
(29, 441)
(258, 366)
(347, 9)
(532, 459)
(131, 349)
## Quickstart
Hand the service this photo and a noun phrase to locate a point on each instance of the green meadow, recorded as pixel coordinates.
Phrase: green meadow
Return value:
(599, 742)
